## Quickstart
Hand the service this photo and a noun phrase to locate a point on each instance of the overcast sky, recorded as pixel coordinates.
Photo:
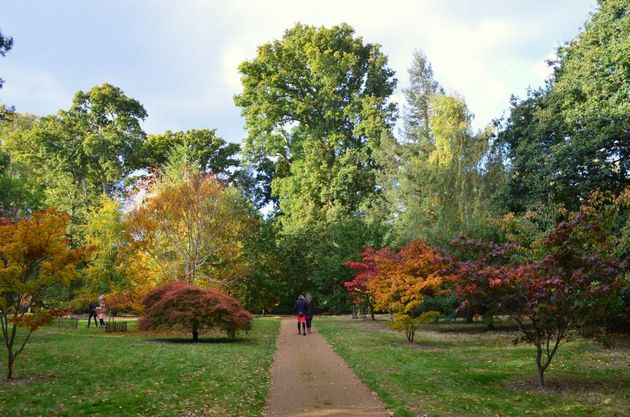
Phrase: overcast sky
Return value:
(179, 58)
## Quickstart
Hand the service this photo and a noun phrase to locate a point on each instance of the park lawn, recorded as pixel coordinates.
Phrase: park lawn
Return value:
(84, 372)
(449, 371)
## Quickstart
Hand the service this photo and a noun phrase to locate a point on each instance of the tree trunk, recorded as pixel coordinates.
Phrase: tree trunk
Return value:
(195, 333)
(540, 368)
(10, 362)
(541, 377)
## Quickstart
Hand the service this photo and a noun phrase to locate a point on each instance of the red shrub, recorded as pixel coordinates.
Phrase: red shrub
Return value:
(194, 309)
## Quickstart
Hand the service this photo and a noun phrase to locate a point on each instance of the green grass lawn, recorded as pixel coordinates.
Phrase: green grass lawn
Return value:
(449, 371)
(84, 372)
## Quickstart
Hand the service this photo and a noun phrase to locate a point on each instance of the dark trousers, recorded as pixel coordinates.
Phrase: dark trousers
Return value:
(92, 314)
(308, 322)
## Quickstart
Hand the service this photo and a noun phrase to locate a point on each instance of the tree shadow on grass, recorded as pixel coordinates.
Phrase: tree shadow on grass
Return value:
(201, 341)
(22, 378)
(570, 385)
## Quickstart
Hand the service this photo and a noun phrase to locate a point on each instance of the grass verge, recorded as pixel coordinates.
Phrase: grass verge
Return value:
(84, 372)
(451, 371)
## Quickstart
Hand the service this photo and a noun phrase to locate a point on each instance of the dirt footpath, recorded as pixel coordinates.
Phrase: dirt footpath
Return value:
(309, 379)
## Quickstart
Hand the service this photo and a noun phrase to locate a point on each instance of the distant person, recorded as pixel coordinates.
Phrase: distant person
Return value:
(310, 309)
(101, 310)
(300, 310)
(92, 313)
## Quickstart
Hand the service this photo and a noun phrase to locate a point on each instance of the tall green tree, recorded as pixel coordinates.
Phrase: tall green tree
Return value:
(106, 123)
(435, 191)
(211, 152)
(315, 104)
(20, 188)
(571, 137)
(417, 111)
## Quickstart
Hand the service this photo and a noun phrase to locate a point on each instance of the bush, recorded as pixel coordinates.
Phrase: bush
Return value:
(181, 304)
(409, 325)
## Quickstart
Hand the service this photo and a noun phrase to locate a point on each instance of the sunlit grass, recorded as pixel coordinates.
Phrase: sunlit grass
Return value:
(449, 371)
(84, 372)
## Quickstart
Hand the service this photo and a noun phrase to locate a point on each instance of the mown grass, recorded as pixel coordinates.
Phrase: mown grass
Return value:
(450, 371)
(84, 372)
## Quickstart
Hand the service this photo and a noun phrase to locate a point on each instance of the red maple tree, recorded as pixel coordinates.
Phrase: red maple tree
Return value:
(575, 284)
(364, 270)
(181, 304)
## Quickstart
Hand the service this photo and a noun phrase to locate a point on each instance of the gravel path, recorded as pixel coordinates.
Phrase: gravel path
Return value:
(308, 379)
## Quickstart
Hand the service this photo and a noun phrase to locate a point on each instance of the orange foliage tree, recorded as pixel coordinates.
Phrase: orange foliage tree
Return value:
(404, 278)
(187, 229)
(398, 282)
(34, 256)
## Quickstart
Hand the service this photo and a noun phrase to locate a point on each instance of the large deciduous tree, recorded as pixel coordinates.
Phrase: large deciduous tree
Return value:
(34, 257)
(194, 309)
(315, 104)
(571, 137)
(80, 153)
(106, 124)
(211, 152)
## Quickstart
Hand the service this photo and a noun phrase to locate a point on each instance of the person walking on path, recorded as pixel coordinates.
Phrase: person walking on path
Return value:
(92, 313)
(318, 384)
(310, 309)
(300, 310)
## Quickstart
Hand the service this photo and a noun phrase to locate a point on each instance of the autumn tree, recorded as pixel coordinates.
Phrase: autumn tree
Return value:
(398, 282)
(188, 224)
(573, 283)
(194, 309)
(404, 278)
(363, 271)
(34, 256)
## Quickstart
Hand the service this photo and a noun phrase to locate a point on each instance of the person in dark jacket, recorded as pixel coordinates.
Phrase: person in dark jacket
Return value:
(310, 309)
(300, 310)
(92, 313)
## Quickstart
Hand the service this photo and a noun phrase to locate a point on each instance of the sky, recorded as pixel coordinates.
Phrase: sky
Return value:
(179, 58)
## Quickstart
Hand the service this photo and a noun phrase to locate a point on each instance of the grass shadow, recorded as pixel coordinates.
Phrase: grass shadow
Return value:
(202, 340)
(570, 384)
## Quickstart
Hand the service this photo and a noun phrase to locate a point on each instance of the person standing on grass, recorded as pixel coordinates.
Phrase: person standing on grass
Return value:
(101, 310)
(92, 313)
(310, 309)
(300, 310)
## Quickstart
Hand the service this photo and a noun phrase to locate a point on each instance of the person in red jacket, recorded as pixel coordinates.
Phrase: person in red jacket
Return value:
(300, 310)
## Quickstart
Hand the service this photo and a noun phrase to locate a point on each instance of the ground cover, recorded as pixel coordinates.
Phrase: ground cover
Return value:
(84, 372)
(461, 370)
